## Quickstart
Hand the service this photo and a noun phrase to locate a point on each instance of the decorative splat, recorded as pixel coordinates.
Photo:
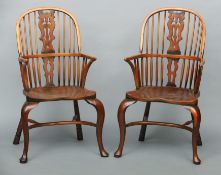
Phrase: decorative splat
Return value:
(175, 26)
(46, 25)
(172, 72)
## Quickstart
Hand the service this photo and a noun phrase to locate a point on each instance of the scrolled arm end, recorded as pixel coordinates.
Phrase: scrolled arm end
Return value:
(23, 60)
(92, 58)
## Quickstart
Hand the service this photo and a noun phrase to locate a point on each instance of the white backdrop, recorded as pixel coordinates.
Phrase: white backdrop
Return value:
(109, 30)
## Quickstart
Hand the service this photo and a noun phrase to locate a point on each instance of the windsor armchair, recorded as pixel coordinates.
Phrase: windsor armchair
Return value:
(52, 69)
(168, 70)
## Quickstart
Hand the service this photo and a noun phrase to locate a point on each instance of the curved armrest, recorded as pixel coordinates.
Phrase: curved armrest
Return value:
(88, 56)
(86, 61)
(164, 56)
(88, 65)
(139, 77)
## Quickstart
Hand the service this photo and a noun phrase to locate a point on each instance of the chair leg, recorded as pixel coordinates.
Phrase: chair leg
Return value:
(145, 118)
(27, 107)
(18, 133)
(100, 121)
(77, 118)
(122, 124)
(195, 111)
(199, 141)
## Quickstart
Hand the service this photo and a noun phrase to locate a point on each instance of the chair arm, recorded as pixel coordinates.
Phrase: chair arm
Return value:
(88, 65)
(88, 56)
(133, 61)
(23, 60)
(23, 68)
(198, 78)
(133, 68)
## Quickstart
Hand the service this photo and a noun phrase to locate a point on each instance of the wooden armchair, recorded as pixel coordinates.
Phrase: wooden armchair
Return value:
(53, 68)
(168, 70)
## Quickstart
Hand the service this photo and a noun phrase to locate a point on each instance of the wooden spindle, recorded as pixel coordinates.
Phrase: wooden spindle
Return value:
(64, 32)
(147, 36)
(26, 47)
(187, 73)
(78, 71)
(73, 30)
(69, 38)
(187, 33)
(74, 71)
(151, 59)
(31, 47)
(30, 33)
(151, 71)
(161, 72)
(59, 49)
(156, 71)
(69, 71)
(196, 72)
(191, 73)
(69, 50)
(36, 51)
(64, 70)
(158, 43)
(182, 72)
(200, 42)
(197, 37)
(25, 36)
(64, 48)
(164, 29)
(34, 71)
(83, 71)
(29, 74)
(138, 71)
(185, 50)
(142, 72)
(152, 35)
(59, 36)
(35, 31)
(21, 39)
(158, 33)
(193, 30)
(146, 71)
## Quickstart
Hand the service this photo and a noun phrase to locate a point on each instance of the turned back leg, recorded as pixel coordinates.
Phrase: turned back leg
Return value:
(18, 133)
(145, 118)
(77, 118)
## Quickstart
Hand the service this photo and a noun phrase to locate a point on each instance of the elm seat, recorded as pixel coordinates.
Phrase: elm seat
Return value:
(171, 95)
(59, 93)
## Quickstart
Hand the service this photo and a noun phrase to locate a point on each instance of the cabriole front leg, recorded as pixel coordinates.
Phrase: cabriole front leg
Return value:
(122, 124)
(195, 112)
(199, 140)
(100, 121)
(27, 107)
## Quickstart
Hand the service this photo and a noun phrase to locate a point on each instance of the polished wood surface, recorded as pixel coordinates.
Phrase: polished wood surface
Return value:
(168, 94)
(168, 69)
(53, 68)
(59, 93)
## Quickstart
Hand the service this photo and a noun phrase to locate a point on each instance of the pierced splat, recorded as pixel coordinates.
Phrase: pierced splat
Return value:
(172, 67)
(46, 25)
(175, 26)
